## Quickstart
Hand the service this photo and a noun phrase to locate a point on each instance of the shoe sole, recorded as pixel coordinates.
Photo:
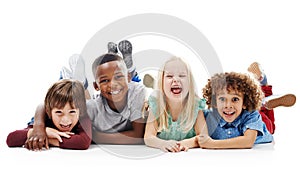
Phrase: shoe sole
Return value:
(125, 47)
(286, 101)
(254, 68)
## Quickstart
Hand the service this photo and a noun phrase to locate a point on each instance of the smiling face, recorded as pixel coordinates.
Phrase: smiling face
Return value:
(229, 104)
(65, 118)
(175, 80)
(112, 81)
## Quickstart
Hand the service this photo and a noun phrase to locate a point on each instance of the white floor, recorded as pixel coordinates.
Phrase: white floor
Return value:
(140, 156)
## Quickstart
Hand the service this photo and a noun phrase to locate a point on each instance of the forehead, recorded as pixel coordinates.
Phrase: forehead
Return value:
(110, 67)
(175, 66)
(229, 91)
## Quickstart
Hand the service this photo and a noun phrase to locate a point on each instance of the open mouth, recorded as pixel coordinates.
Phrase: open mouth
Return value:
(229, 114)
(176, 90)
(114, 92)
(65, 127)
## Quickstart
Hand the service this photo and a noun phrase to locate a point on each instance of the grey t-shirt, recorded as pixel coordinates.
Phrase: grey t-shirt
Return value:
(106, 120)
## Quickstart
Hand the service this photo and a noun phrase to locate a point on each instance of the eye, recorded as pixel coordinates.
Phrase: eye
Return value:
(118, 77)
(58, 112)
(104, 81)
(72, 111)
(169, 76)
(235, 99)
(182, 75)
(222, 99)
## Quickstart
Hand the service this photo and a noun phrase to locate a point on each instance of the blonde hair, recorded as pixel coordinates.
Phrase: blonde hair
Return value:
(187, 115)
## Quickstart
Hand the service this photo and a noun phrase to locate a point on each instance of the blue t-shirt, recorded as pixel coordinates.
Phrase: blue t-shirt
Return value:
(219, 129)
(174, 131)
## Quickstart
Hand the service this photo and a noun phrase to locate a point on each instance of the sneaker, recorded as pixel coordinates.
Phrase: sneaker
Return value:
(77, 66)
(112, 47)
(65, 73)
(272, 102)
(125, 48)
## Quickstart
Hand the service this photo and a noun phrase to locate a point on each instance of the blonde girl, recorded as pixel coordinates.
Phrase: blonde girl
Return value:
(175, 111)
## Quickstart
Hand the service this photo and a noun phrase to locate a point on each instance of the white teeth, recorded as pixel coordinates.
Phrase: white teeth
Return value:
(228, 113)
(115, 92)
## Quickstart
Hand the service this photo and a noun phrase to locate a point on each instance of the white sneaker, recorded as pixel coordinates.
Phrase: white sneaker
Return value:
(65, 73)
(125, 47)
(77, 66)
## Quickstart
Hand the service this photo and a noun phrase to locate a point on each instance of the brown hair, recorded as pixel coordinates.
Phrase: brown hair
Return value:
(66, 91)
(234, 81)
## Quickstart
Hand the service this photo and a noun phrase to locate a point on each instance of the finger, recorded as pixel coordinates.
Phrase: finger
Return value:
(35, 144)
(63, 134)
(58, 137)
(29, 143)
(26, 145)
(47, 143)
(185, 149)
(40, 143)
(165, 149)
(173, 149)
(70, 133)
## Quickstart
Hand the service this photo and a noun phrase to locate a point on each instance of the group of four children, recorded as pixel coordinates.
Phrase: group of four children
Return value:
(231, 114)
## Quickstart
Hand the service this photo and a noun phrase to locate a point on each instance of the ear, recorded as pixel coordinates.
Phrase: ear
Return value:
(244, 107)
(96, 87)
(129, 77)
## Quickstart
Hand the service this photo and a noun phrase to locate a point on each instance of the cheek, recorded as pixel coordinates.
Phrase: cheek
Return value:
(75, 119)
(56, 120)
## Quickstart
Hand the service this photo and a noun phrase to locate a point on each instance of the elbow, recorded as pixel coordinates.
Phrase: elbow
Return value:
(249, 144)
(15, 140)
(147, 140)
(9, 141)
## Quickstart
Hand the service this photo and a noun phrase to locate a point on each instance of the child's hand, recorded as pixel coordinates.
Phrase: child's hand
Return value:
(204, 140)
(55, 134)
(173, 146)
(36, 139)
(182, 147)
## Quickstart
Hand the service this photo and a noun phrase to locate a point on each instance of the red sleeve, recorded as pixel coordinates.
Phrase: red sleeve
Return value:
(17, 138)
(82, 138)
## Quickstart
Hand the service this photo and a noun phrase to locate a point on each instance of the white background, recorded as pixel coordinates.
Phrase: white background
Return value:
(36, 39)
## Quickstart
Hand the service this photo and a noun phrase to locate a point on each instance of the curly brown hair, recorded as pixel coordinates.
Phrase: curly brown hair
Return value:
(234, 81)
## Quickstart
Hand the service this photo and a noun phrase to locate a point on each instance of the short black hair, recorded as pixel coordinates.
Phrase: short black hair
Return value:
(107, 57)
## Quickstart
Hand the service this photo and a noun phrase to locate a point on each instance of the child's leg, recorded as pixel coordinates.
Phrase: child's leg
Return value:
(77, 72)
(256, 69)
(271, 101)
(125, 47)
(267, 114)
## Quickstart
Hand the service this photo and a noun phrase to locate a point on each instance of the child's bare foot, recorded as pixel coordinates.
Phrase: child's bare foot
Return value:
(285, 100)
(148, 81)
(255, 69)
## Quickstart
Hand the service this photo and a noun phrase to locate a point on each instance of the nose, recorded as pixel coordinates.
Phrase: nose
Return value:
(228, 104)
(65, 120)
(176, 79)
